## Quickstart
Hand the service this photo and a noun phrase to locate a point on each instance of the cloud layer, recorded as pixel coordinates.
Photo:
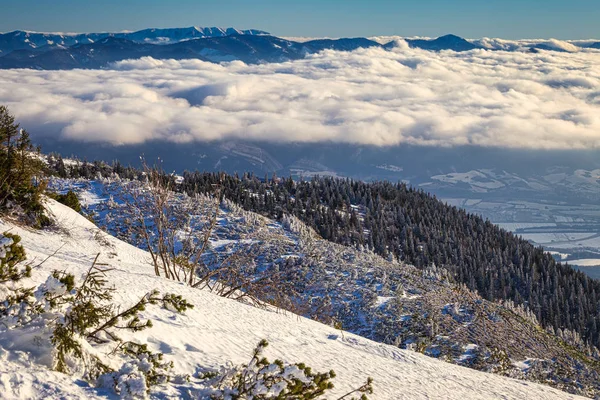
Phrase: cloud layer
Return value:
(369, 96)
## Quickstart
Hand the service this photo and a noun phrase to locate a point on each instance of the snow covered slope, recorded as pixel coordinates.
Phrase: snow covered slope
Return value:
(218, 330)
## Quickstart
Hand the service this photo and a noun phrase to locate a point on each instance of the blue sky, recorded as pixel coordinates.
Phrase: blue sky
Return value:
(564, 19)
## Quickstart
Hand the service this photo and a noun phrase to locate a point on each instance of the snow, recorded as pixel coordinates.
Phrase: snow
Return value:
(559, 240)
(310, 174)
(5, 244)
(478, 180)
(586, 262)
(580, 176)
(469, 352)
(515, 226)
(562, 256)
(219, 330)
(525, 364)
(22, 379)
(557, 237)
(89, 198)
(382, 300)
(390, 167)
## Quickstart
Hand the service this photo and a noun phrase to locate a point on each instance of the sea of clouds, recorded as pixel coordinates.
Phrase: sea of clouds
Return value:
(369, 96)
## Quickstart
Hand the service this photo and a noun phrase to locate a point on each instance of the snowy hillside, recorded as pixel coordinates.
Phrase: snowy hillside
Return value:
(379, 299)
(219, 330)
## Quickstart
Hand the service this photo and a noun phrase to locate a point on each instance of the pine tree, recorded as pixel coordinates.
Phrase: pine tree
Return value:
(19, 166)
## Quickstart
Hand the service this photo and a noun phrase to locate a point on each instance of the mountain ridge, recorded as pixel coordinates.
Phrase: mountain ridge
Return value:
(22, 49)
(29, 40)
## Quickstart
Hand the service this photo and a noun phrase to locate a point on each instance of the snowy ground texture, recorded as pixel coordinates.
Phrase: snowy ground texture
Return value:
(219, 330)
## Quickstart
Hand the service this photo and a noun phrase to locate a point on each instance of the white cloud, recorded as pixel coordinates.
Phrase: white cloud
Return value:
(369, 96)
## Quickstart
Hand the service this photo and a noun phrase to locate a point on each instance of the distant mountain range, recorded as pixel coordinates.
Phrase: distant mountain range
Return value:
(21, 49)
(459, 172)
(23, 40)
